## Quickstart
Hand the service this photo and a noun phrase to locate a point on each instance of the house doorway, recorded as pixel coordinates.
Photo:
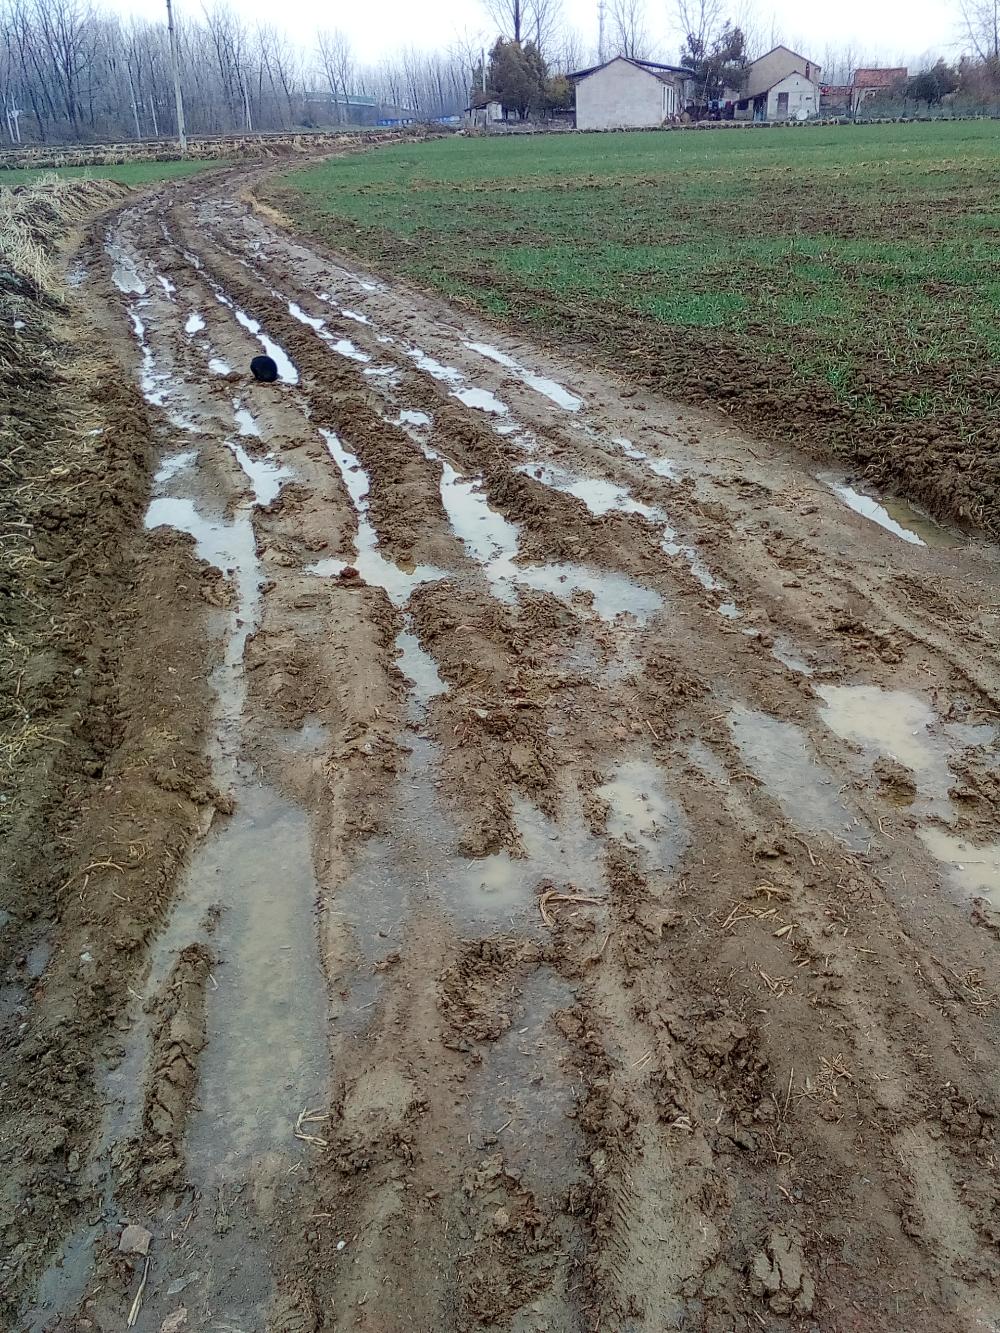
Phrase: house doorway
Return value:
(782, 106)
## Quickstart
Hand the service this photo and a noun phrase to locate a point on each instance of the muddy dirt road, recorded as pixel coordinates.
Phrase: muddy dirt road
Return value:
(595, 927)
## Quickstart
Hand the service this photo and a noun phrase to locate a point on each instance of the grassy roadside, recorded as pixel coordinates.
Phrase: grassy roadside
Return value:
(836, 286)
(127, 173)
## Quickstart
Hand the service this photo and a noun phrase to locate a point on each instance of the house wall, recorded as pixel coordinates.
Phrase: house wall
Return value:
(803, 95)
(620, 97)
(766, 71)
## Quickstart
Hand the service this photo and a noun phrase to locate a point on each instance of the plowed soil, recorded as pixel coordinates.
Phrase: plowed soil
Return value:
(542, 871)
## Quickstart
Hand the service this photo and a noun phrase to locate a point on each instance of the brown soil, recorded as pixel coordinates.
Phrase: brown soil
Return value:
(566, 946)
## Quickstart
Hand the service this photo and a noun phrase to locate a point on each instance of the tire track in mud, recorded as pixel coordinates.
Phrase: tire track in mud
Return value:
(644, 1004)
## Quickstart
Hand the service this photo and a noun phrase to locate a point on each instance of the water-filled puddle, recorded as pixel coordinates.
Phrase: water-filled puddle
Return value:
(904, 727)
(420, 669)
(896, 516)
(410, 417)
(971, 868)
(643, 816)
(481, 399)
(246, 422)
(218, 366)
(167, 286)
(550, 389)
(266, 1052)
(662, 467)
(195, 323)
(492, 541)
(780, 755)
(342, 346)
(783, 650)
(369, 561)
(523, 1095)
(172, 465)
(124, 272)
(265, 475)
(286, 367)
(599, 495)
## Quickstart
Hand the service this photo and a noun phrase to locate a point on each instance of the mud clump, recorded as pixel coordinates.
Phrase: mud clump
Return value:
(474, 992)
(895, 782)
(778, 1273)
(513, 1245)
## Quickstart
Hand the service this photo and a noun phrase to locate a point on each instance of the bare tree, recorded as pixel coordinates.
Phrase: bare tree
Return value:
(629, 35)
(337, 63)
(981, 23)
(699, 21)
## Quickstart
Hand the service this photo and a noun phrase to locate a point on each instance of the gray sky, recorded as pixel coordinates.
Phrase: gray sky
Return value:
(887, 29)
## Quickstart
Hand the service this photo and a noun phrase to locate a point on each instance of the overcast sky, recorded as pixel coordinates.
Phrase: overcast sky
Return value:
(888, 29)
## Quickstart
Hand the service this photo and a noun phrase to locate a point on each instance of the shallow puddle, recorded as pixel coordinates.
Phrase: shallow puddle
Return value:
(550, 389)
(904, 727)
(779, 753)
(124, 271)
(599, 495)
(783, 650)
(246, 422)
(219, 367)
(371, 564)
(643, 816)
(420, 669)
(973, 869)
(482, 400)
(195, 323)
(662, 467)
(524, 1097)
(706, 761)
(419, 863)
(896, 516)
(266, 475)
(409, 417)
(492, 541)
(342, 346)
(172, 465)
(266, 1053)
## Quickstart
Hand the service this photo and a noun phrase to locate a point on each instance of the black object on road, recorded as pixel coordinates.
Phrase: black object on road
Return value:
(264, 369)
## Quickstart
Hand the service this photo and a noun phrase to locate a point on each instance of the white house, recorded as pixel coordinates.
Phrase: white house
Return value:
(781, 85)
(625, 94)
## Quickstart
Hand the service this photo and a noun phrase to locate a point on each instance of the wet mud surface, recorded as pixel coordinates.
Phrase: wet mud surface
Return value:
(593, 914)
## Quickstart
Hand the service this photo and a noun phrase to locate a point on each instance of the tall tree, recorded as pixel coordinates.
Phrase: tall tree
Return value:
(337, 61)
(629, 35)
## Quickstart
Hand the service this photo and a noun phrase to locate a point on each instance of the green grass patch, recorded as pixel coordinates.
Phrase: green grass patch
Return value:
(858, 262)
(127, 173)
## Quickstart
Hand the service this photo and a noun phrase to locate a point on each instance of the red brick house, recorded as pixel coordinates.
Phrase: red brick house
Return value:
(868, 83)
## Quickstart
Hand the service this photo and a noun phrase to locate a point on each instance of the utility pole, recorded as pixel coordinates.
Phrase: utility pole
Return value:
(181, 131)
(601, 18)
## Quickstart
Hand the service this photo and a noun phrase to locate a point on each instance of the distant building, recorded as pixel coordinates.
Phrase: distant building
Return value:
(869, 83)
(483, 112)
(781, 85)
(625, 94)
(357, 109)
(836, 99)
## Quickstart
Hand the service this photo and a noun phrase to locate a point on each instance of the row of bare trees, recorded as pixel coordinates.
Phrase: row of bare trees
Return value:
(71, 71)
